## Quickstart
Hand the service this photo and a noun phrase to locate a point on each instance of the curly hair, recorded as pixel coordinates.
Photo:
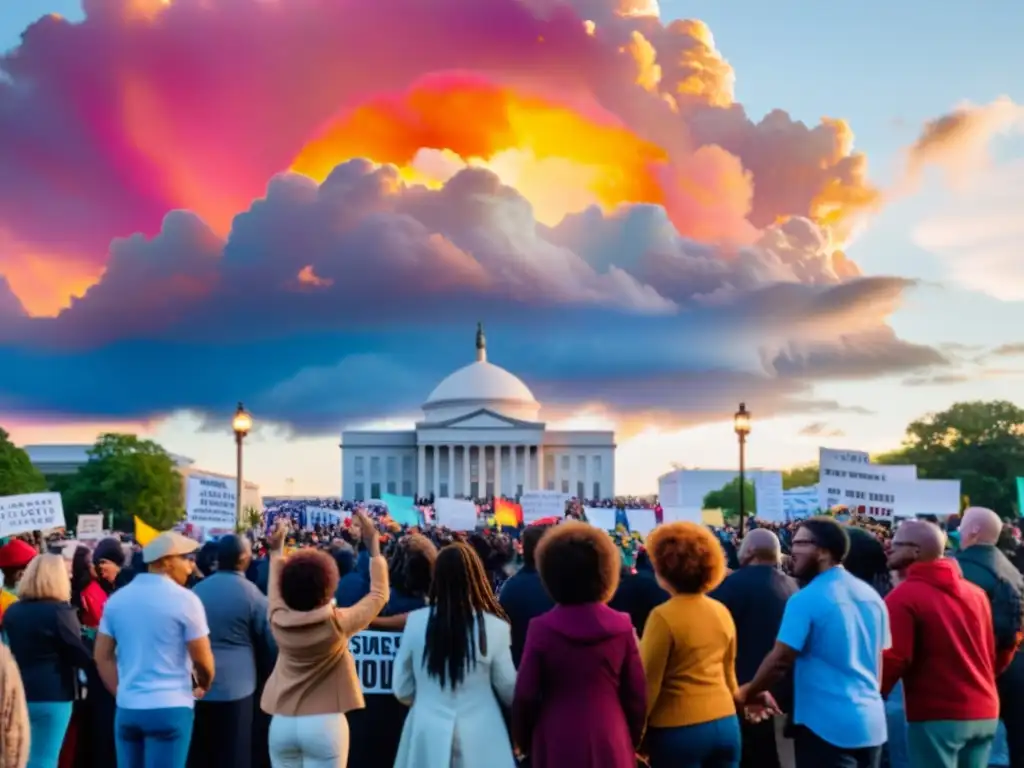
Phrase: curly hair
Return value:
(578, 564)
(687, 557)
(308, 580)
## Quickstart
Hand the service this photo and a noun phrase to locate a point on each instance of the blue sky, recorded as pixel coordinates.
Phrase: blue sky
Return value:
(885, 67)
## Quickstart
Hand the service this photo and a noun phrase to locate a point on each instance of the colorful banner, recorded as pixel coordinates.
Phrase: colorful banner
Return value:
(403, 509)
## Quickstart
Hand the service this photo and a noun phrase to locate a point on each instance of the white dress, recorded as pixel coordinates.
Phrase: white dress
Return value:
(463, 728)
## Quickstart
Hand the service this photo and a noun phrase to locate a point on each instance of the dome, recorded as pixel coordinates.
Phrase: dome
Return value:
(481, 381)
(481, 385)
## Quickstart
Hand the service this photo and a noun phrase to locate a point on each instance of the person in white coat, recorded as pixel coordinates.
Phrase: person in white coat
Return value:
(454, 669)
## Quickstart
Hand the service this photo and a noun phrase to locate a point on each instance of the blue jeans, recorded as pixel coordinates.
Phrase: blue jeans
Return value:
(153, 738)
(715, 744)
(49, 722)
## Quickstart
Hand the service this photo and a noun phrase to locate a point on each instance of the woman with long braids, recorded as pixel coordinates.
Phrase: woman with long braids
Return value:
(454, 669)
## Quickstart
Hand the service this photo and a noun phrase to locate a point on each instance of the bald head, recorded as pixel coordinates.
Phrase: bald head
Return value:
(979, 526)
(926, 538)
(760, 546)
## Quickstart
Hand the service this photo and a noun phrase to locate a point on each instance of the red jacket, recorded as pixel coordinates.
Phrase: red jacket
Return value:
(943, 646)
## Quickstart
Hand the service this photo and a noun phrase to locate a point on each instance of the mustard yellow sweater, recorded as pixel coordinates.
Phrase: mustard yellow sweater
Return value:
(689, 654)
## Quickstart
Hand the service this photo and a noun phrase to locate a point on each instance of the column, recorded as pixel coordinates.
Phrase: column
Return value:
(465, 470)
(515, 469)
(541, 480)
(421, 470)
(497, 470)
(435, 470)
(451, 471)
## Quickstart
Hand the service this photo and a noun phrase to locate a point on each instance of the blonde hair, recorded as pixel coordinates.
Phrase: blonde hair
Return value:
(46, 578)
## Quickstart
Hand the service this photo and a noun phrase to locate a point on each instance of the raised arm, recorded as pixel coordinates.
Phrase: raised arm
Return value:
(358, 617)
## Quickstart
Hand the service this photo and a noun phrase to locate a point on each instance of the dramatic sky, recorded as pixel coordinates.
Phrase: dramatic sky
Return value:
(307, 205)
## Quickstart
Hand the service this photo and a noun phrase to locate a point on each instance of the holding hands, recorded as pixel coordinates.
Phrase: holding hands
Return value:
(756, 708)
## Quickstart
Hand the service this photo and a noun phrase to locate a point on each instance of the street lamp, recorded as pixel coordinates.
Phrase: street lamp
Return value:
(741, 423)
(241, 424)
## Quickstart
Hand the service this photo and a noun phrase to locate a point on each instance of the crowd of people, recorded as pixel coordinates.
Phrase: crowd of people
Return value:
(816, 644)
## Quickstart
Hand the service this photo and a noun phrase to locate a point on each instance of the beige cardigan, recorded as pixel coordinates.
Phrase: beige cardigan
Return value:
(315, 673)
(14, 725)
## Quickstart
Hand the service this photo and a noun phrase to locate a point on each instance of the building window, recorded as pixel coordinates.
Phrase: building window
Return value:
(374, 469)
(549, 484)
(490, 490)
(444, 490)
(581, 468)
(360, 466)
(565, 486)
(391, 470)
(474, 490)
(391, 486)
(360, 488)
(407, 473)
(374, 490)
(549, 468)
(596, 464)
(565, 463)
(597, 490)
(407, 488)
(581, 490)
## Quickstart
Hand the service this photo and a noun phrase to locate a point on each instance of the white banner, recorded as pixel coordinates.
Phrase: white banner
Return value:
(681, 515)
(374, 654)
(30, 512)
(600, 517)
(540, 504)
(641, 521)
(798, 503)
(89, 527)
(768, 497)
(456, 514)
(211, 502)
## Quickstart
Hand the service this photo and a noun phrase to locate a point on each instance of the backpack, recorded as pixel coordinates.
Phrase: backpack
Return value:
(1007, 610)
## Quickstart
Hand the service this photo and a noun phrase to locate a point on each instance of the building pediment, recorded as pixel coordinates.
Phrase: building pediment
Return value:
(481, 419)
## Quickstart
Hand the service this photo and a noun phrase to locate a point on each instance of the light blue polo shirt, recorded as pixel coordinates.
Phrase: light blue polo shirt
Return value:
(840, 626)
(152, 620)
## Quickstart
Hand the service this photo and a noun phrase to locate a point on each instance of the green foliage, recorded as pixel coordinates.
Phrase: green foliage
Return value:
(251, 518)
(727, 498)
(979, 443)
(800, 477)
(126, 476)
(17, 473)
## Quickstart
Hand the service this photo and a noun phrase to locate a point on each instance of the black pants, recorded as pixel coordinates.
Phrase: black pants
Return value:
(1011, 712)
(814, 752)
(759, 748)
(222, 734)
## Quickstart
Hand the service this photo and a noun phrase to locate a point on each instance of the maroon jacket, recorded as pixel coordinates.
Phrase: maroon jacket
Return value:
(580, 695)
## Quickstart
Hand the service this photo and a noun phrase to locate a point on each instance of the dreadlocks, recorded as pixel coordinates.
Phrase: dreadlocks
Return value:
(460, 595)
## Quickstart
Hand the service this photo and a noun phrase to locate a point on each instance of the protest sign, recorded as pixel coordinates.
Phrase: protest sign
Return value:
(540, 504)
(210, 501)
(374, 654)
(599, 517)
(457, 514)
(89, 527)
(768, 497)
(799, 503)
(321, 516)
(30, 512)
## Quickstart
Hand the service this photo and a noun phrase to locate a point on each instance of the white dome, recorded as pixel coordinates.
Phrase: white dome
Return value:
(481, 381)
(481, 385)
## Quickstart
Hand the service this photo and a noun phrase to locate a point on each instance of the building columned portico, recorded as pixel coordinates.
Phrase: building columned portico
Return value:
(480, 436)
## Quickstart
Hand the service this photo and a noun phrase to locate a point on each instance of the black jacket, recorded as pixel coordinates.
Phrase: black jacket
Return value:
(523, 597)
(45, 637)
(638, 594)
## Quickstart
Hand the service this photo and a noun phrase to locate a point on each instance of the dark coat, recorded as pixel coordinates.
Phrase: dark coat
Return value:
(524, 598)
(580, 696)
(638, 594)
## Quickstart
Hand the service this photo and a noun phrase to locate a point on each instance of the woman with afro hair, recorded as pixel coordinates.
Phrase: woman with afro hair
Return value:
(579, 697)
(689, 655)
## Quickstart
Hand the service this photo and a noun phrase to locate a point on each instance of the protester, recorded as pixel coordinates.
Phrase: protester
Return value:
(756, 596)
(109, 559)
(239, 637)
(87, 596)
(15, 556)
(579, 698)
(523, 597)
(638, 592)
(689, 655)
(833, 633)
(314, 682)
(943, 648)
(153, 652)
(454, 670)
(15, 731)
(985, 565)
(45, 637)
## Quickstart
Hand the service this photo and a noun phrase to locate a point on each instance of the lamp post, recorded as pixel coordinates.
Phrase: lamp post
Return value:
(741, 423)
(241, 424)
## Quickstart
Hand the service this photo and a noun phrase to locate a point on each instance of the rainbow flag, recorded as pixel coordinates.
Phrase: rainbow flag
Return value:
(508, 513)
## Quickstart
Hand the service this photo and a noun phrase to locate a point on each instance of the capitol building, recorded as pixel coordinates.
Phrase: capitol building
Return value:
(480, 436)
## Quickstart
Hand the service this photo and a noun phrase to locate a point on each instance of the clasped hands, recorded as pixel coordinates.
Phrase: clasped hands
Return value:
(756, 708)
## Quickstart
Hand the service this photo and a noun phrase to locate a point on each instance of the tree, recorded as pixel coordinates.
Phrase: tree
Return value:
(727, 498)
(979, 443)
(800, 477)
(17, 473)
(126, 476)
